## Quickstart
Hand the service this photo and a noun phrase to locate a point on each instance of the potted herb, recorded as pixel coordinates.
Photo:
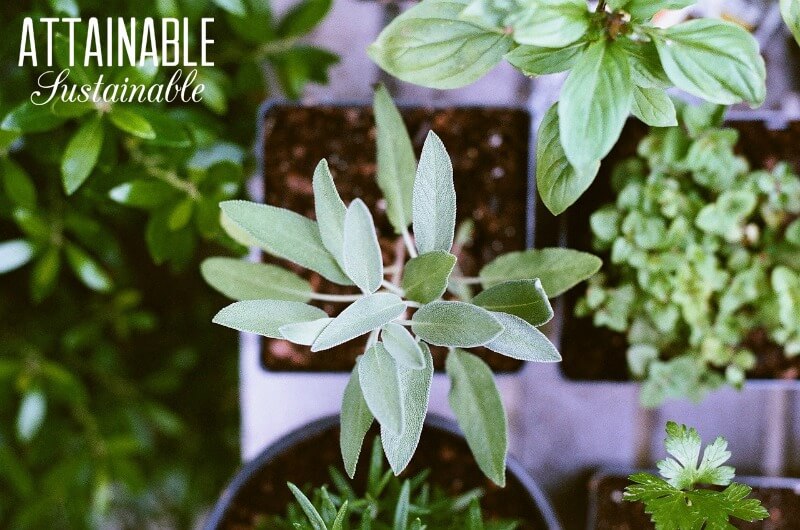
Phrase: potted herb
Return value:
(421, 304)
(442, 488)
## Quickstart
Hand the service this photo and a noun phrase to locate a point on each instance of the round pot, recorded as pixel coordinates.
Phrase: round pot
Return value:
(304, 455)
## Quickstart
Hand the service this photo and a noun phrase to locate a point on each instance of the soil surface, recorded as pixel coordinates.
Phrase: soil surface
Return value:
(615, 514)
(447, 456)
(591, 353)
(489, 149)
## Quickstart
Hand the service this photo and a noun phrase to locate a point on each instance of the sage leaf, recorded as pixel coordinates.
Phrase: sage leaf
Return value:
(304, 333)
(363, 261)
(455, 324)
(520, 340)
(330, 210)
(425, 277)
(434, 200)
(560, 184)
(559, 269)
(402, 346)
(397, 163)
(525, 299)
(314, 518)
(242, 280)
(265, 317)
(81, 154)
(715, 60)
(360, 317)
(285, 234)
(380, 384)
(355, 422)
(430, 45)
(790, 9)
(14, 254)
(537, 60)
(654, 107)
(479, 410)
(595, 103)
(88, 270)
(416, 385)
(552, 24)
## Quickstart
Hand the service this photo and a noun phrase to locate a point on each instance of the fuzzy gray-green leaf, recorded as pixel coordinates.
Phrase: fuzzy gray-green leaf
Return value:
(425, 277)
(434, 198)
(456, 324)
(362, 258)
(402, 346)
(330, 210)
(380, 385)
(304, 333)
(285, 234)
(476, 403)
(265, 317)
(523, 298)
(242, 280)
(362, 316)
(355, 422)
(520, 340)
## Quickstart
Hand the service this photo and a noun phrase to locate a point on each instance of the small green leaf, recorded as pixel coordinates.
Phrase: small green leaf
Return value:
(356, 421)
(559, 269)
(790, 9)
(303, 17)
(362, 316)
(45, 274)
(31, 415)
(434, 200)
(402, 507)
(362, 257)
(287, 235)
(402, 346)
(180, 214)
(129, 120)
(304, 333)
(14, 254)
(425, 277)
(242, 280)
(476, 403)
(553, 24)
(87, 269)
(314, 518)
(520, 340)
(654, 107)
(397, 163)
(646, 69)
(647, 9)
(81, 154)
(537, 60)
(265, 317)
(341, 517)
(380, 385)
(17, 184)
(523, 298)
(143, 193)
(560, 184)
(330, 210)
(455, 324)
(234, 7)
(30, 118)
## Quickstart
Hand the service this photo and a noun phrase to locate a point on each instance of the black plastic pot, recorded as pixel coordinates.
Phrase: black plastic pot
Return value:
(537, 513)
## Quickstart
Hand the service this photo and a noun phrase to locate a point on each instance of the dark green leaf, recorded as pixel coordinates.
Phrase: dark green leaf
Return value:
(29, 118)
(523, 298)
(303, 17)
(81, 154)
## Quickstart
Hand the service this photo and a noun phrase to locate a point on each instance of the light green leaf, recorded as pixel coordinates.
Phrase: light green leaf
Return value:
(362, 257)
(129, 120)
(402, 346)
(314, 518)
(537, 60)
(356, 421)
(595, 103)
(265, 317)
(31, 415)
(715, 60)
(362, 316)
(304, 333)
(143, 193)
(29, 118)
(654, 107)
(790, 9)
(455, 324)
(560, 184)
(479, 410)
(430, 45)
(416, 385)
(645, 9)
(520, 340)
(523, 298)
(402, 508)
(14, 254)
(242, 280)
(646, 69)
(303, 17)
(380, 385)
(330, 211)
(287, 235)
(434, 198)
(397, 163)
(17, 184)
(559, 269)
(87, 270)
(45, 274)
(180, 214)
(234, 7)
(553, 24)
(341, 517)
(425, 277)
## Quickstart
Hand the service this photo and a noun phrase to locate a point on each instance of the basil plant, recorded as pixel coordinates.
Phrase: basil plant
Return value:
(406, 314)
(619, 62)
(790, 9)
(705, 260)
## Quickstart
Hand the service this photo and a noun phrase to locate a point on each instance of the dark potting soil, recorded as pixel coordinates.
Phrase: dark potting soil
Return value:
(613, 513)
(306, 464)
(592, 353)
(489, 149)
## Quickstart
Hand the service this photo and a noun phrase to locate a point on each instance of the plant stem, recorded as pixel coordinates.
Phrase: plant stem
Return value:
(389, 286)
(322, 297)
(467, 280)
(409, 303)
(412, 251)
(601, 6)
(404, 322)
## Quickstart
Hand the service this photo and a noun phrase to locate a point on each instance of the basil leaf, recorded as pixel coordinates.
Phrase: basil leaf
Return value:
(81, 154)
(434, 198)
(356, 421)
(790, 9)
(654, 107)
(360, 317)
(265, 317)
(525, 299)
(537, 60)
(330, 210)
(552, 24)
(425, 277)
(455, 324)
(430, 45)
(479, 410)
(520, 340)
(242, 280)
(362, 257)
(647, 9)
(402, 346)
(595, 102)
(380, 384)
(646, 69)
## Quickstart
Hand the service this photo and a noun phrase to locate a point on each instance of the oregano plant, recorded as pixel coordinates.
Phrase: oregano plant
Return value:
(619, 62)
(421, 304)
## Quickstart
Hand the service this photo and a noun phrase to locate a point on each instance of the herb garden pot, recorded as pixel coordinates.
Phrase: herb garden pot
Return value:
(607, 509)
(304, 455)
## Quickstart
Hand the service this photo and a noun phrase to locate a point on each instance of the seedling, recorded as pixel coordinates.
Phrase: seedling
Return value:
(404, 314)
(675, 502)
(619, 62)
(704, 259)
